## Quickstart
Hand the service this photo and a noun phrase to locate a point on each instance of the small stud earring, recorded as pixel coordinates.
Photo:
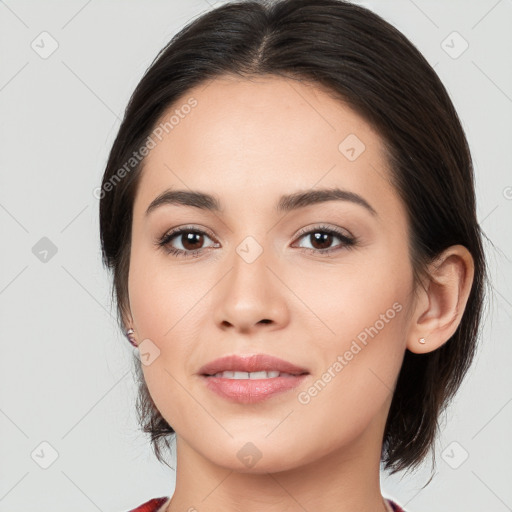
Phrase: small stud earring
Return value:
(131, 337)
(422, 340)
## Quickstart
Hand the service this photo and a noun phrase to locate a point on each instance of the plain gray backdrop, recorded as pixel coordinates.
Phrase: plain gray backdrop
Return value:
(69, 437)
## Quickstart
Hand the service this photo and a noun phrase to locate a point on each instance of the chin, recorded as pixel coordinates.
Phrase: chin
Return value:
(259, 457)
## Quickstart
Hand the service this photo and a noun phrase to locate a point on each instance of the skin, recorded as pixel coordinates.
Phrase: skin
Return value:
(248, 142)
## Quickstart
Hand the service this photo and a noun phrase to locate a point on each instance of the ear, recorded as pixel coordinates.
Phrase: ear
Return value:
(441, 300)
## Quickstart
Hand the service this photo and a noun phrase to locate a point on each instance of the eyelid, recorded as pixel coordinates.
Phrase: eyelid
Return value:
(325, 227)
(186, 227)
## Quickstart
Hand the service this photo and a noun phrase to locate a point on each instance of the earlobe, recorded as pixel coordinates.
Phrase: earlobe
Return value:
(442, 301)
(129, 331)
(130, 335)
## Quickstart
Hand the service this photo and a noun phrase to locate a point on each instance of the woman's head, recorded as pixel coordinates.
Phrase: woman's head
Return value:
(265, 108)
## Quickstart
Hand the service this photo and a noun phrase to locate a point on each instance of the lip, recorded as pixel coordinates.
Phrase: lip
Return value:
(248, 391)
(250, 363)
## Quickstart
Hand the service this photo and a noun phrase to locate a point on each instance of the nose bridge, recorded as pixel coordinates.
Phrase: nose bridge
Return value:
(250, 293)
(250, 275)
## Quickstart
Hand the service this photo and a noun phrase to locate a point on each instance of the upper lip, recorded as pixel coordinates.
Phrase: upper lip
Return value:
(250, 363)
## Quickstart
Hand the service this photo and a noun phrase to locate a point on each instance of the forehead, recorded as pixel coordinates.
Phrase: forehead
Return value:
(258, 136)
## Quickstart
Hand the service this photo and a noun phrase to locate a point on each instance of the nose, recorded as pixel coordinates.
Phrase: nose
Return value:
(251, 297)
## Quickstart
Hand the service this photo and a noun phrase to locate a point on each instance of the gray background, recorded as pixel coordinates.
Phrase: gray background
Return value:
(65, 370)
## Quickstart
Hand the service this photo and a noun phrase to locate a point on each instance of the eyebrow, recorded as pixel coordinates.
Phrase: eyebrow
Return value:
(286, 203)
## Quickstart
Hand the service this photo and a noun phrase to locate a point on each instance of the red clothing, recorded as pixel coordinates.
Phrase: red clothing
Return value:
(150, 506)
(154, 504)
(395, 507)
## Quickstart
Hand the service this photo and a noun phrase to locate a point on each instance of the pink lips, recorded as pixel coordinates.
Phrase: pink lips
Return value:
(251, 390)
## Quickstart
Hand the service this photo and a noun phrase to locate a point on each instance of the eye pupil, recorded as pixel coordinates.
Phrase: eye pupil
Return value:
(322, 238)
(189, 239)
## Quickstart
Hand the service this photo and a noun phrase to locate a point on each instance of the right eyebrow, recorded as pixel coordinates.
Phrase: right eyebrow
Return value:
(186, 198)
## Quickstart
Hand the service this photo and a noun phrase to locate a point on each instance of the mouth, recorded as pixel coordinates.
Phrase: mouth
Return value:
(239, 375)
(251, 364)
(253, 389)
(251, 379)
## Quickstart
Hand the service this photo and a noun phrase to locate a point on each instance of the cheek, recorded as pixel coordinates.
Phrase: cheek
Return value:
(363, 311)
(360, 361)
(162, 304)
(361, 295)
(161, 296)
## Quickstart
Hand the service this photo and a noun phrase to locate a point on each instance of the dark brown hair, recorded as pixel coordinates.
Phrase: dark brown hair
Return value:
(378, 72)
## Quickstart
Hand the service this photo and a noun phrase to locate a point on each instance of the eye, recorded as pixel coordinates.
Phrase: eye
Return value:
(322, 237)
(191, 241)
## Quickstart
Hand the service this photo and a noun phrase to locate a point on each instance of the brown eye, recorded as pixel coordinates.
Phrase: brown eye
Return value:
(322, 238)
(189, 242)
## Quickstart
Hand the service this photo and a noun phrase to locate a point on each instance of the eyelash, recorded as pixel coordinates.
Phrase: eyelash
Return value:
(347, 241)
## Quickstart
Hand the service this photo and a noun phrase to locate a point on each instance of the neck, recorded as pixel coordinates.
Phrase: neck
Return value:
(342, 480)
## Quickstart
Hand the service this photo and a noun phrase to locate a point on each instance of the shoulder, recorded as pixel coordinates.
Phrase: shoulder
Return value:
(152, 505)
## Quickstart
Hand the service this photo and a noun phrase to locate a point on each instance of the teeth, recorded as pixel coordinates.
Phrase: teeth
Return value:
(251, 375)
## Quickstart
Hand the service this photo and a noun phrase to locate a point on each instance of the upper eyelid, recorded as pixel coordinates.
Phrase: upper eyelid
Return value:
(180, 230)
(323, 227)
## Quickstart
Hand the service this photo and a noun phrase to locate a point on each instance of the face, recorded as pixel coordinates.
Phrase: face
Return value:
(324, 282)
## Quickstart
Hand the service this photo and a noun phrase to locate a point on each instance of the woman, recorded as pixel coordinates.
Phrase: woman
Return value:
(288, 211)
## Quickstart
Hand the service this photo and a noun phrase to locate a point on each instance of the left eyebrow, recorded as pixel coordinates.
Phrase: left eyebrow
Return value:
(310, 197)
(286, 203)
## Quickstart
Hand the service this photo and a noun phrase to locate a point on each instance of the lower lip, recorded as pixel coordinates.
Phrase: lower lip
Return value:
(249, 391)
